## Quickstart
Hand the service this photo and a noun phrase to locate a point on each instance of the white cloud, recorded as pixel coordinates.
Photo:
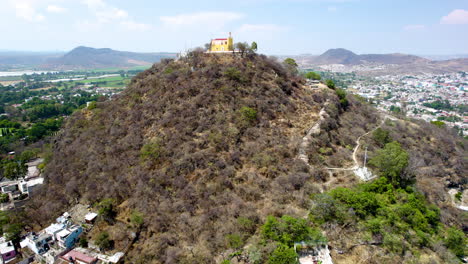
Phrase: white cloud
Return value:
(109, 14)
(261, 28)
(25, 9)
(457, 16)
(94, 4)
(106, 14)
(414, 27)
(217, 19)
(134, 26)
(56, 9)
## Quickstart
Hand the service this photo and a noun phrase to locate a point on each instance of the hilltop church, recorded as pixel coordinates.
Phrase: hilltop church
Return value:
(222, 44)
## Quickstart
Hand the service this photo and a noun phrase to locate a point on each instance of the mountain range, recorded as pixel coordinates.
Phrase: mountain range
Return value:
(394, 63)
(92, 58)
(79, 58)
(86, 57)
(347, 57)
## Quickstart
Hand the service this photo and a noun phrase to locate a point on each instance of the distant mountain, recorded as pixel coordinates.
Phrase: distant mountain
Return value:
(89, 58)
(342, 60)
(346, 57)
(10, 60)
(338, 56)
(445, 57)
(394, 58)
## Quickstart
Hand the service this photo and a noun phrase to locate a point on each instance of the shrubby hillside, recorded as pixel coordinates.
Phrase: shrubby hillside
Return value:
(198, 158)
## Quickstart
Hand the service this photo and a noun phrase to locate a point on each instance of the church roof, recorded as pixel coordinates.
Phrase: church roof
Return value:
(221, 39)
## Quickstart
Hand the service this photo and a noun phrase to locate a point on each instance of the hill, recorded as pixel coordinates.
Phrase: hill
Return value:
(342, 60)
(197, 162)
(338, 56)
(10, 60)
(91, 58)
(346, 57)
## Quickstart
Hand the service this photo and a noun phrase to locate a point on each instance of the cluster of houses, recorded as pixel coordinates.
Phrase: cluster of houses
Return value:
(56, 244)
(20, 189)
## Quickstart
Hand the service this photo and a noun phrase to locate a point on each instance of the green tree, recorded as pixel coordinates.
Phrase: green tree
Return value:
(456, 241)
(325, 208)
(106, 209)
(14, 170)
(4, 198)
(330, 84)
(288, 230)
(313, 76)
(248, 114)
(391, 161)
(92, 105)
(151, 150)
(381, 136)
(137, 218)
(27, 155)
(290, 61)
(283, 255)
(254, 47)
(438, 123)
(395, 109)
(103, 241)
(234, 241)
(291, 65)
(342, 96)
(243, 47)
(83, 242)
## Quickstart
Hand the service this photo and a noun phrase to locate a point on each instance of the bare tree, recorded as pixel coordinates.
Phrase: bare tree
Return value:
(243, 47)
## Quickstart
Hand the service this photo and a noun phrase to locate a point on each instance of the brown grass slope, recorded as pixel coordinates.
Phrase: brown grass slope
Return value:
(212, 166)
(182, 147)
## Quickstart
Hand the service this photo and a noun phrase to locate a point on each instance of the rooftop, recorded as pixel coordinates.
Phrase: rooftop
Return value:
(54, 228)
(63, 234)
(90, 216)
(6, 247)
(76, 255)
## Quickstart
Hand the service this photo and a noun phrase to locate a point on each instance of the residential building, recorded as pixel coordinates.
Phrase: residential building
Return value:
(38, 243)
(14, 188)
(90, 217)
(67, 237)
(7, 251)
(76, 257)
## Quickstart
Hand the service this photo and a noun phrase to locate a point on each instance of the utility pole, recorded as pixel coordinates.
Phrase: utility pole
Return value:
(365, 157)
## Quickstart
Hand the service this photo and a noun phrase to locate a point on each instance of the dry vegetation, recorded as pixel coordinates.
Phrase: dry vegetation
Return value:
(206, 144)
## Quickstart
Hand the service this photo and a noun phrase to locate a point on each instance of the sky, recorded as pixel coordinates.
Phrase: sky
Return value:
(281, 27)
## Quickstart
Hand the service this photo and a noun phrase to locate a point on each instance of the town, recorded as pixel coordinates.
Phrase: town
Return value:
(437, 98)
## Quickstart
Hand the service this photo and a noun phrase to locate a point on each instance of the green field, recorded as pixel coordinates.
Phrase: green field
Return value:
(10, 78)
(114, 82)
(115, 69)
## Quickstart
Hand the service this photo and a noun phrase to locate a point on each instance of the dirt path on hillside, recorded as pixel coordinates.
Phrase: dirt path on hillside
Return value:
(362, 172)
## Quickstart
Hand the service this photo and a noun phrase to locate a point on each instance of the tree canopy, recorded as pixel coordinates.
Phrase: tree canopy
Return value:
(391, 161)
(313, 76)
(291, 65)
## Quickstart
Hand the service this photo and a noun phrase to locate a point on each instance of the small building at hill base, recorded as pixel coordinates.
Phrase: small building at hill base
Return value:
(77, 257)
(7, 251)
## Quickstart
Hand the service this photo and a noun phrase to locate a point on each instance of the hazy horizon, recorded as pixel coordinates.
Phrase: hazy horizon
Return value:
(59, 52)
(279, 27)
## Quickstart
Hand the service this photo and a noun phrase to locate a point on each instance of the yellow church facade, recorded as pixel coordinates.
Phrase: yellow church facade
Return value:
(222, 44)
